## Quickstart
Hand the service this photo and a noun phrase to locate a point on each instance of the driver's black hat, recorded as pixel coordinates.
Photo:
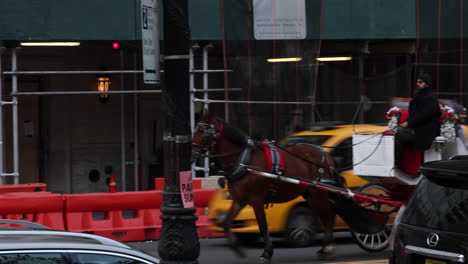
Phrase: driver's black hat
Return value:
(425, 78)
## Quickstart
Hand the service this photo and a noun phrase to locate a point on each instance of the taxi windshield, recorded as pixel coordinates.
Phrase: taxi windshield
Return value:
(315, 140)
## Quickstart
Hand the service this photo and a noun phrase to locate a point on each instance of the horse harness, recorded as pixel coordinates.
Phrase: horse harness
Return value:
(239, 169)
(275, 164)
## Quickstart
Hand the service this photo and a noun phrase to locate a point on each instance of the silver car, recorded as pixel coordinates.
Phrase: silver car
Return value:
(39, 244)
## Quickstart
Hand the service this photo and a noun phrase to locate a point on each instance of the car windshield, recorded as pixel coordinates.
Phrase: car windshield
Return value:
(438, 207)
(315, 140)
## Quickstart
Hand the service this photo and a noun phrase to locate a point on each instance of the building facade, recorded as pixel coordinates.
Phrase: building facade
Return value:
(73, 140)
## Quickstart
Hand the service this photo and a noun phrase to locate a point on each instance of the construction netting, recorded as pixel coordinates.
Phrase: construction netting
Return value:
(440, 46)
(272, 100)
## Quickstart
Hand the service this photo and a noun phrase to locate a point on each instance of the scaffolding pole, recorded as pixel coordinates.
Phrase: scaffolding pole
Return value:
(1, 119)
(136, 131)
(14, 82)
(284, 102)
(122, 127)
(206, 162)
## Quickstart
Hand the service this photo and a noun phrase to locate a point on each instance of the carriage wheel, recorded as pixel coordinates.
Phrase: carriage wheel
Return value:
(372, 242)
(302, 227)
(377, 241)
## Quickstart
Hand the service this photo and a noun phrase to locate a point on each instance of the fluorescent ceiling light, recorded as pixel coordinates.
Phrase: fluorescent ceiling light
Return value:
(334, 58)
(284, 59)
(50, 44)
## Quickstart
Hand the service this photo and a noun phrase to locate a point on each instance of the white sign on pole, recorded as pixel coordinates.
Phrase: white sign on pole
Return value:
(279, 19)
(150, 39)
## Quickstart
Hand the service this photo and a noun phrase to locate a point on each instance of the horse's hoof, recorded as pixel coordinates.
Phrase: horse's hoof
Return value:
(326, 251)
(264, 260)
(239, 251)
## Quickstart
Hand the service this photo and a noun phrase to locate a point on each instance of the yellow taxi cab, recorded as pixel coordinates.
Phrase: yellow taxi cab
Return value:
(294, 220)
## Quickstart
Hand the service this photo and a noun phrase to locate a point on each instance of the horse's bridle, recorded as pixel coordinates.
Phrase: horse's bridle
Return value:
(210, 134)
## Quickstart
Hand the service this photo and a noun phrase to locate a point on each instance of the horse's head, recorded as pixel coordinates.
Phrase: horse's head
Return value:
(207, 132)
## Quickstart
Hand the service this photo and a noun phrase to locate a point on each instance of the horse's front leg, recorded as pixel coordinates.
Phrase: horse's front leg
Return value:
(227, 225)
(263, 226)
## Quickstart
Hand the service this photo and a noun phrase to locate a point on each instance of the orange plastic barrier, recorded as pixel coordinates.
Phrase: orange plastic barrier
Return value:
(28, 187)
(123, 216)
(41, 207)
(202, 197)
(159, 183)
(127, 216)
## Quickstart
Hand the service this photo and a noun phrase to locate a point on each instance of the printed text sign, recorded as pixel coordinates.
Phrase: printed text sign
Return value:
(186, 188)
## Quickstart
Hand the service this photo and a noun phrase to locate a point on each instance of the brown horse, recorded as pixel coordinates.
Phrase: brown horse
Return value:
(234, 149)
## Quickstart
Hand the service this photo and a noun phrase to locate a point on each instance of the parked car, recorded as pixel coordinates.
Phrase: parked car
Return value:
(294, 220)
(432, 227)
(38, 244)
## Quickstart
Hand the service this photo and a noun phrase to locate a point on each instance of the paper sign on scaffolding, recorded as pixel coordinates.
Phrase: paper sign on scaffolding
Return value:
(186, 188)
(285, 19)
(150, 39)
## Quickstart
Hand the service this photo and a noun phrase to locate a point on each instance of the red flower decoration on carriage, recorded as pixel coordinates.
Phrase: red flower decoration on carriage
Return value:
(447, 121)
(446, 116)
(393, 111)
(393, 117)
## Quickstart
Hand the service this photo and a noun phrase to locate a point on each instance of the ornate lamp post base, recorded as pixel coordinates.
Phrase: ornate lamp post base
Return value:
(179, 238)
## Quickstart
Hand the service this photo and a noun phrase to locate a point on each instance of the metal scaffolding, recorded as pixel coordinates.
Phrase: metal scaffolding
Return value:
(205, 90)
(14, 73)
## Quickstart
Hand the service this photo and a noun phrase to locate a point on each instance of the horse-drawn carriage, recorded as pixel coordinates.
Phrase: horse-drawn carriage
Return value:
(307, 170)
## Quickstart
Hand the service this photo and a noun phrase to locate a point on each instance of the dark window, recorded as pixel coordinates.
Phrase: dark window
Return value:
(438, 207)
(32, 258)
(104, 259)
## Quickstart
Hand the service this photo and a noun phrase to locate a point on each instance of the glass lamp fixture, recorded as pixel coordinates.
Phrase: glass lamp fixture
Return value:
(292, 59)
(103, 85)
(50, 44)
(342, 58)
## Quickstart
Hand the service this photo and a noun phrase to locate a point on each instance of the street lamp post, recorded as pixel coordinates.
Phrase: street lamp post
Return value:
(179, 239)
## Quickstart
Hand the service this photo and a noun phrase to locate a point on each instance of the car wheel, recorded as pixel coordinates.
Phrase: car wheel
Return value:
(302, 227)
(377, 241)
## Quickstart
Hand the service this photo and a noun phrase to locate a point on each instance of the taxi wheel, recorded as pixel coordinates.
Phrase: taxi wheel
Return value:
(378, 241)
(302, 227)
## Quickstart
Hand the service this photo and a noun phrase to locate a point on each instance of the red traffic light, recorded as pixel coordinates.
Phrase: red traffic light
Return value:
(115, 45)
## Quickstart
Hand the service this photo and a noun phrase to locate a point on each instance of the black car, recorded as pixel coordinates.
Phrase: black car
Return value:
(432, 228)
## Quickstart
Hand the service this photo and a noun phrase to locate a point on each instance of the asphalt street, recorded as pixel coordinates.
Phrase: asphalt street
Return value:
(216, 250)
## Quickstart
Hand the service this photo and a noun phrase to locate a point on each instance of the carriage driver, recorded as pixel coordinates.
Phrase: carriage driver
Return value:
(422, 125)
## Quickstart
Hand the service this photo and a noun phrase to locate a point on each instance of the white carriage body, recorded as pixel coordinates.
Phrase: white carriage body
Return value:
(373, 156)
